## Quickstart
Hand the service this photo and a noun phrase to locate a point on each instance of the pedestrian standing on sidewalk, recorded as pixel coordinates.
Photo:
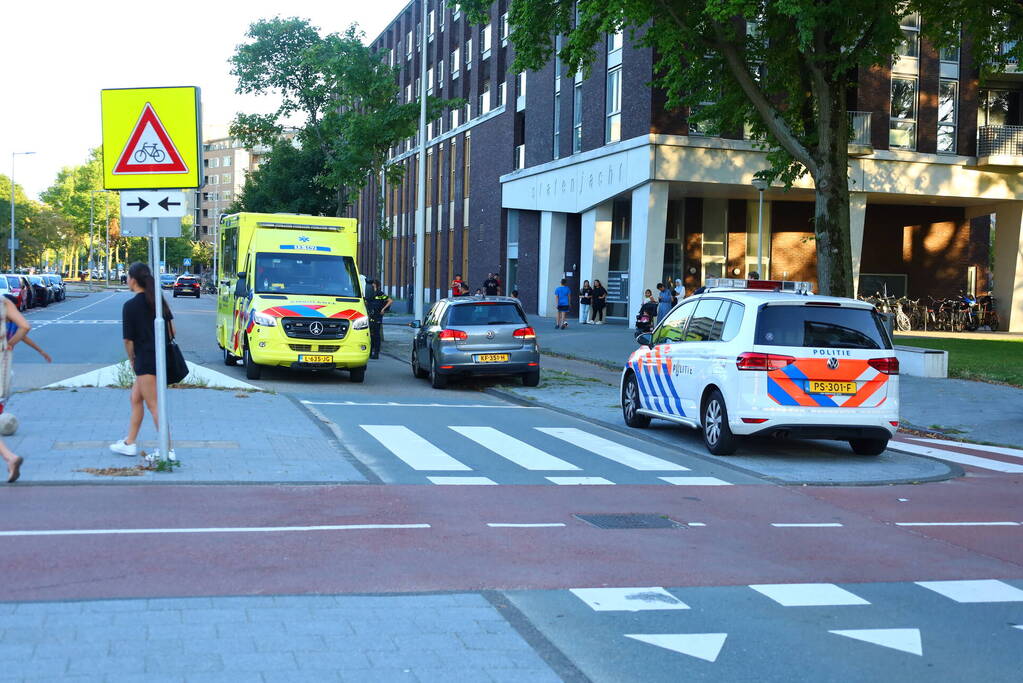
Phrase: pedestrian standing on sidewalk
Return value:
(138, 315)
(585, 296)
(17, 329)
(598, 300)
(680, 291)
(491, 286)
(458, 288)
(664, 299)
(563, 300)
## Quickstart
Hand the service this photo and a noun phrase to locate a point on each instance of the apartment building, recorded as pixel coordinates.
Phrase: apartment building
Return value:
(226, 162)
(542, 176)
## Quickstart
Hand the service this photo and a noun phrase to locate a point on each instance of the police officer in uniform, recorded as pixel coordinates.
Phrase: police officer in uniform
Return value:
(377, 303)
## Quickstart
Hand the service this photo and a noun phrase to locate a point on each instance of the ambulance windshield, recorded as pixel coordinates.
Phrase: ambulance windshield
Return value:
(308, 274)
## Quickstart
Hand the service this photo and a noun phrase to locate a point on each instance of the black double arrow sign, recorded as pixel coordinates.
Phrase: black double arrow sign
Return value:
(164, 203)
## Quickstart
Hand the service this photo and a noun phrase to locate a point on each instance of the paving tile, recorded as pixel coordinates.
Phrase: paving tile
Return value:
(259, 662)
(177, 662)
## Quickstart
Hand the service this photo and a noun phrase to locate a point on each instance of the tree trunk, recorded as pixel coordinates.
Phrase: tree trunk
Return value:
(831, 211)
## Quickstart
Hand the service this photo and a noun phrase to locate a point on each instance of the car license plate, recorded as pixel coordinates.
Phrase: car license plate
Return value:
(303, 358)
(492, 358)
(820, 387)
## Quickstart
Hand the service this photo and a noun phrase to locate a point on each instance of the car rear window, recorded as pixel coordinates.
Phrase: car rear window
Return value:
(485, 313)
(835, 327)
(13, 281)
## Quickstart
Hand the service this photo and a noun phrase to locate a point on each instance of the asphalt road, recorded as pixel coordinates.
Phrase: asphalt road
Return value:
(744, 579)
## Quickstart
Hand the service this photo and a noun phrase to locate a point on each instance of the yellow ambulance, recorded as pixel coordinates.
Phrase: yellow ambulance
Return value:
(290, 294)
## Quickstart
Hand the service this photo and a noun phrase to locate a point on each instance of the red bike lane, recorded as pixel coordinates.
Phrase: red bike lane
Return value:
(84, 542)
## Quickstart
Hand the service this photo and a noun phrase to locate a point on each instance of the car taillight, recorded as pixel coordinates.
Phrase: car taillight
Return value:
(752, 360)
(453, 335)
(524, 333)
(889, 365)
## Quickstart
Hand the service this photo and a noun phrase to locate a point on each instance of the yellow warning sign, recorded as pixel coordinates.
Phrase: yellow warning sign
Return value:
(151, 138)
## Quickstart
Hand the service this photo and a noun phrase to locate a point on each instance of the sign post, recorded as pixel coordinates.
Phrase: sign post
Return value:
(152, 141)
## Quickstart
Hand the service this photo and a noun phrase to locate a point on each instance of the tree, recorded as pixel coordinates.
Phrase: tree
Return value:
(784, 68)
(349, 98)
(288, 181)
(22, 210)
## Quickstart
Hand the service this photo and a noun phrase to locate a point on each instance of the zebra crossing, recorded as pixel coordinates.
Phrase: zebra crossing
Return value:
(487, 455)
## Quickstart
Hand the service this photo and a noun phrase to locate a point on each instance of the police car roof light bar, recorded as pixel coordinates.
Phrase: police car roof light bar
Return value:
(796, 287)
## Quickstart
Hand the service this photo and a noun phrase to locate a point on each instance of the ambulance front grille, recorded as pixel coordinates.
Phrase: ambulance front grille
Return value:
(327, 348)
(301, 347)
(302, 328)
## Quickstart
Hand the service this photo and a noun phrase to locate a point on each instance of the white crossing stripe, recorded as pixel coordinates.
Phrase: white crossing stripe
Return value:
(705, 646)
(414, 450)
(696, 481)
(957, 524)
(902, 639)
(580, 481)
(628, 599)
(961, 458)
(510, 448)
(463, 481)
(808, 594)
(510, 525)
(1001, 450)
(804, 525)
(611, 450)
(985, 590)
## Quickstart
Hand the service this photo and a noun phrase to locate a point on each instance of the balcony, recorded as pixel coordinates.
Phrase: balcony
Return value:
(1000, 146)
(859, 137)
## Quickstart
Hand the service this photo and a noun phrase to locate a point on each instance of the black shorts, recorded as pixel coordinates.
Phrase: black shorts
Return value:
(145, 364)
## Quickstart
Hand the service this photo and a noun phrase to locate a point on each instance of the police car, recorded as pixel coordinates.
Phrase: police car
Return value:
(767, 358)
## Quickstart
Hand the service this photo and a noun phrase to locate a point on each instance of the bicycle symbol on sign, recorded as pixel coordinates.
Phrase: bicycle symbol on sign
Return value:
(149, 150)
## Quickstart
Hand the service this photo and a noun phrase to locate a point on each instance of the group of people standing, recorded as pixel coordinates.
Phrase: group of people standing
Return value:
(491, 286)
(592, 302)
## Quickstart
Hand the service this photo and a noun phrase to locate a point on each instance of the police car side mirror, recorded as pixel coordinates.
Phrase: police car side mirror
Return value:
(645, 339)
(416, 324)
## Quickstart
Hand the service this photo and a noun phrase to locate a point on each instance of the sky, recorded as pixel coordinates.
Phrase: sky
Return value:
(58, 54)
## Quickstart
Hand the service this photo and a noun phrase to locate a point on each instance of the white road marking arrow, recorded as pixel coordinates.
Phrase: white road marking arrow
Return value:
(705, 646)
(902, 639)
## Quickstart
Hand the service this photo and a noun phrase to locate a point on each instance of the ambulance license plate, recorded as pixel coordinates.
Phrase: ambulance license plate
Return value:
(492, 358)
(303, 358)
(820, 387)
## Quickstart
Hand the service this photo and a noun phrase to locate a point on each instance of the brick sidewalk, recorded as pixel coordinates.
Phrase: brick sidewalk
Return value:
(220, 436)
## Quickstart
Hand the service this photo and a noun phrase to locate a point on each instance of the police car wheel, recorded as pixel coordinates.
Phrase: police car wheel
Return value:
(417, 371)
(437, 380)
(631, 403)
(717, 436)
(868, 446)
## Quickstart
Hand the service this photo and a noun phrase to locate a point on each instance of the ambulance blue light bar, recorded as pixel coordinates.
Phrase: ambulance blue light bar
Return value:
(792, 286)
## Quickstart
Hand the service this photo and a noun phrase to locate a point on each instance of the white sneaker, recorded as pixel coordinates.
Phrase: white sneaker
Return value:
(121, 448)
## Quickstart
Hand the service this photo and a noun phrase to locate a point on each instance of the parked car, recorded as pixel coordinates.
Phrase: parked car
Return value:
(40, 290)
(187, 284)
(19, 292)
(167, 280)
(464, 336)
(57, 282)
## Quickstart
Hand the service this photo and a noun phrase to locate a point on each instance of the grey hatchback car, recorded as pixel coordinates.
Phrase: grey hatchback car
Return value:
(476, 335)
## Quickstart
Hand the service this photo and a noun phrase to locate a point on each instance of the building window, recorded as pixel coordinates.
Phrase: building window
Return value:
(902, 132)
(408, 45)
(613, 106)
(440, 18)
(226, 196)
(215, 162)
(408, 93)
(457, 12)
(456, 63)
(484, 103)
(910, 46)
(614, 48)
(451, 172)
(485, 38)
(468, 55)
(431, 24)
(948, 106)
(454, 118)
(557, 125)
(440, 73)
(520, 91)
(950, 53)
(226, 178)
(214, 180)
(577, 118)
(205, 213)
(429, 177)
(502, 93)
(429, 81)
(227, 161)
(504, 29)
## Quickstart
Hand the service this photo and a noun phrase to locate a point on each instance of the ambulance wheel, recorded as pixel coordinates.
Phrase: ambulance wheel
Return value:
(868, 446)
(631, 403)
(717, 436)
(417, 371)
(437, 380)
(230, 360)
(252, 370)
(357, 375)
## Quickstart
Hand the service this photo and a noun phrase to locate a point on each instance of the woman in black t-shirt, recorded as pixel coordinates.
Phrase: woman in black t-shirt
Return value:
(585, 293)
(599, 301)
(138, 315)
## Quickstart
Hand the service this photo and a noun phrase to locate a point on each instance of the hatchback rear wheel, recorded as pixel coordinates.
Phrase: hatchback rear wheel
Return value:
(717, 435)
(868, 446)
(437, 380)
(531, 379)
(417, 370)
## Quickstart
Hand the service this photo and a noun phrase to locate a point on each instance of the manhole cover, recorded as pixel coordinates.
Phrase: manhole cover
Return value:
(631, 520)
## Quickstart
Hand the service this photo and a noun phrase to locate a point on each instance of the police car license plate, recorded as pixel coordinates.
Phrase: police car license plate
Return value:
(492, 358)
(303, 358)
(819, 387)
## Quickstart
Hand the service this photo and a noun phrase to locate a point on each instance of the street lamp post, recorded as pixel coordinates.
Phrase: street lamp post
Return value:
(106, 218)
(92, 252)
(11, 245)
(761, 185)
